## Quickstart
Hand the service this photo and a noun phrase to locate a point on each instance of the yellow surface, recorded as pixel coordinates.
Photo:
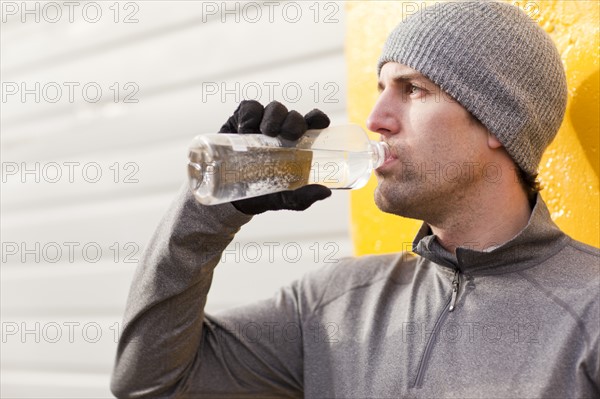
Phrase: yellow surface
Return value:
(569, 168)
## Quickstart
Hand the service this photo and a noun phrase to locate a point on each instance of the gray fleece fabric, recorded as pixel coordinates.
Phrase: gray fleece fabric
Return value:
(525, 321)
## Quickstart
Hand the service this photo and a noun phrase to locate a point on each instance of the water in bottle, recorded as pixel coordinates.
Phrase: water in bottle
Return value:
(228, 167)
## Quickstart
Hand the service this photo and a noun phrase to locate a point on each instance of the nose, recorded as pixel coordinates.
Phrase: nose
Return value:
(384, 116)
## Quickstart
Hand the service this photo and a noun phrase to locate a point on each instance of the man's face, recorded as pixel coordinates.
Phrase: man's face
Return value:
(440, 152)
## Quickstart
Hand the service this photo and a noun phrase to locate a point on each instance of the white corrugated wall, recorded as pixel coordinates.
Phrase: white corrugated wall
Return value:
(99, 103)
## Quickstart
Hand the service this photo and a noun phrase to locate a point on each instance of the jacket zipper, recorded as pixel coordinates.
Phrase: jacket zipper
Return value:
(450, 305)
(455, 286)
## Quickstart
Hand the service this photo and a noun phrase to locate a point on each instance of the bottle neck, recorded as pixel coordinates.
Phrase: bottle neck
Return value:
(379, 152)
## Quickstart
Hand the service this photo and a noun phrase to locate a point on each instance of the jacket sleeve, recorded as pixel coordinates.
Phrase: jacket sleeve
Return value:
(170, 348)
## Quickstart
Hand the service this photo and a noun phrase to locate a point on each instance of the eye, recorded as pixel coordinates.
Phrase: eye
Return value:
(414, 89)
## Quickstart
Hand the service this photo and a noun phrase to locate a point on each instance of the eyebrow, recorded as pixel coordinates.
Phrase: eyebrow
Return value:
(405, 78)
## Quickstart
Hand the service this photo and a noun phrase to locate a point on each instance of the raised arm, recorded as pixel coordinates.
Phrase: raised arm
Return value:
(169, 347)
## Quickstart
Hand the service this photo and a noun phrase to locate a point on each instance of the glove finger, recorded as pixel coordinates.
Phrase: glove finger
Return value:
(253, 206)
(302, 198)
(275, 114)
(246, 116)
(249, 115)
(296, 200)
(230, 126)
(293, 127)
(316, 119)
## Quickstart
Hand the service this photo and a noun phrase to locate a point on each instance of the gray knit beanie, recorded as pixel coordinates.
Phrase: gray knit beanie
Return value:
(495, 61)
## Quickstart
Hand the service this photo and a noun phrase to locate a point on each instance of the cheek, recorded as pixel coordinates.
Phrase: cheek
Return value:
(442, 125)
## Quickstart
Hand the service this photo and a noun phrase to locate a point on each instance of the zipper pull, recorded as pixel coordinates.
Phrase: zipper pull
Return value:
(455, 283)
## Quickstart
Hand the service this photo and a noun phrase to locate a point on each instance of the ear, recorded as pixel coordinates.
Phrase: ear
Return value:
(493, 141)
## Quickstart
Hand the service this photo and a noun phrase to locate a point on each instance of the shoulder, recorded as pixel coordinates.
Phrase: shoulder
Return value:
(354, 274)
(578, 263)
(579, 287)
(575, 263)
(582, 262)
(584, 252)
(570, 279)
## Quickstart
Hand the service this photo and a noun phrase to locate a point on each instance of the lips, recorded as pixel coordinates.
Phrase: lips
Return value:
(392, 156)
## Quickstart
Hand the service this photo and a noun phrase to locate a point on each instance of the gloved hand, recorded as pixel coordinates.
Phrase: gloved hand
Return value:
(273, 120)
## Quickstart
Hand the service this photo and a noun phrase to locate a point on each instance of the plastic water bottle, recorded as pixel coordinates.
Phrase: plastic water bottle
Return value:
(228, 167)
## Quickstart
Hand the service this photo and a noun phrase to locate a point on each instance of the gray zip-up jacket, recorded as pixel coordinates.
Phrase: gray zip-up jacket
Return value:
(521, 321)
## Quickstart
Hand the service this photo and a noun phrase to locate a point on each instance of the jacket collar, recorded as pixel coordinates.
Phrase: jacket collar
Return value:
(539, 240)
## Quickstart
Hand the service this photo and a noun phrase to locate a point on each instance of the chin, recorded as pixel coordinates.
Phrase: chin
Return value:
(389, 201)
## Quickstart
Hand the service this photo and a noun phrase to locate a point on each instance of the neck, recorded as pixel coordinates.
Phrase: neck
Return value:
(490, 218)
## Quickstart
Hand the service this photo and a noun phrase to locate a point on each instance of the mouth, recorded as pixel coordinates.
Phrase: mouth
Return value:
(391, 157)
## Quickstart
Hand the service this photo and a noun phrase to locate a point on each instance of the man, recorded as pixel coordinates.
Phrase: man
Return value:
(498, 302)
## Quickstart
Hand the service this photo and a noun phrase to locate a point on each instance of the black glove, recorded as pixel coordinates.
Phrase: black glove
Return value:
(273, 120)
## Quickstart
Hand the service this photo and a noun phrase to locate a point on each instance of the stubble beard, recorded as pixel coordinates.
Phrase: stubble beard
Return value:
(399, 197)
(416, 198)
